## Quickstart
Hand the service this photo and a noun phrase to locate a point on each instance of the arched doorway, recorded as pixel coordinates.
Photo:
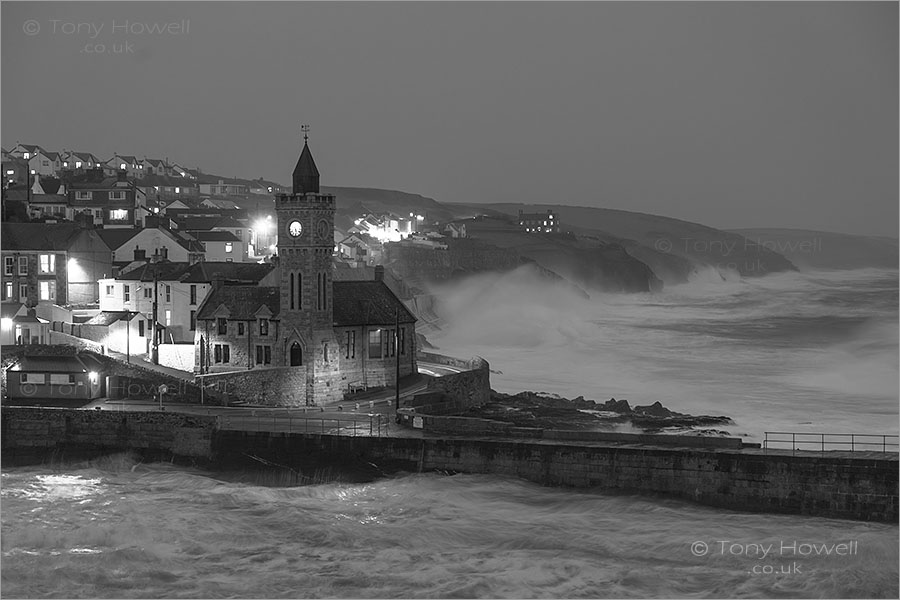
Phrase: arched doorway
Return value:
(296, 355)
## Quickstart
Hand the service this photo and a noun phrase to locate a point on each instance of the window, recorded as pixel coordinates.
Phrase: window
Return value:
(84, 195)
(263, 355)
(193, 320)
(325, 352)
(229, 247)
(293, 301)
(223, 326)
(168, 318)
(8, 265)
(110, 290)
(47, 263)
(119, 214)
(351, 345)
(263, 327)
(23, 292)
(168, 293)
(23, 265)
(390, 343)
(375, 344)
(61, 378)
(98, 213)
(48, 290)
(240, 328)
(7, 290)
(148, 292)
(222, 353)
(141, 328)
(119, 195)
(193, 295)
(403, 340)
(126, 289)
(38, 378)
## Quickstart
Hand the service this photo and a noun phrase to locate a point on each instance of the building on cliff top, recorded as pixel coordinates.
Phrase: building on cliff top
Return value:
(325, 337)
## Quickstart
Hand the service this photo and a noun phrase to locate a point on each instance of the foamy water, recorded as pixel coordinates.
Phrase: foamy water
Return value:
(118, 530)
(804, 352)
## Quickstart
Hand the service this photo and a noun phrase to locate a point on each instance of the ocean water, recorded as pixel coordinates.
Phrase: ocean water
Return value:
(113, 529)
(797, 352)
(804, 351)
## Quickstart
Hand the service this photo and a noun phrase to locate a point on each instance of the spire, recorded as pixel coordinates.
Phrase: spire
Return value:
(306, 175)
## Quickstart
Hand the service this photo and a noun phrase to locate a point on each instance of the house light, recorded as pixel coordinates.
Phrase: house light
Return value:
(122, 166)
(10, 172)
(7, 323)
(93, 376)
(26, 156)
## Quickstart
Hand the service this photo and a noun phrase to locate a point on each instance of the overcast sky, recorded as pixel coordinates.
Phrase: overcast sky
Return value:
(728, 114)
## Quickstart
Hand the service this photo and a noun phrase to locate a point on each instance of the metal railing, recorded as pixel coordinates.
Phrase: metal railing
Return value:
(359, 425)
(853, 442)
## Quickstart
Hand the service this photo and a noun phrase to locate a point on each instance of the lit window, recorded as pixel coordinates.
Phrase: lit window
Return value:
(119, 214)
(7, 290)
(122, 166)
(48, 290)
(47, 263)
(229, 247)
(26, 155)
(168, 318)
(77, 164)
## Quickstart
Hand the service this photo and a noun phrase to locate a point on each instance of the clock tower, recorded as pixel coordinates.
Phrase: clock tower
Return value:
(305, 246)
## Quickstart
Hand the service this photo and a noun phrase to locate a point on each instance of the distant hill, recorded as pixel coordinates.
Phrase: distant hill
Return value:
(825, 250)
(352, 202)
(663, 243)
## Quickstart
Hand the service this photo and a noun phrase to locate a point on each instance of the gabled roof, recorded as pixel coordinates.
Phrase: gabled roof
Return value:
(8, 309)
(206, 223)
(105, 184)
(163, 271)
(241, 301)
(151, 180)
(29, 147)
(367, 303)
(85, 156)
(116, 238)
(156, 162)
(49, 198)
(39, 236)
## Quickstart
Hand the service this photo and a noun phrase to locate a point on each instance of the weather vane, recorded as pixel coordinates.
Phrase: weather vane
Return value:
(305, 130)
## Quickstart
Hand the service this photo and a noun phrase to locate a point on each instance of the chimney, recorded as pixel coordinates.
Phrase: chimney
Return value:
(218, 280)
(139, 254)
(379, 273)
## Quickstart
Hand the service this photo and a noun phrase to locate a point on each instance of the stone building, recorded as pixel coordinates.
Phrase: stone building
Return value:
(322, 338)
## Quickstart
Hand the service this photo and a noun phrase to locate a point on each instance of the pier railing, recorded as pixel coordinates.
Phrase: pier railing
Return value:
(359, 425)
(821, 442)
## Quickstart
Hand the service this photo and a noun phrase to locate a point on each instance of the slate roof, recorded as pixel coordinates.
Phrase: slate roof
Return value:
(306, 174)
(116, 238)
(367, 303)
(8, 309)
(242, 301)
(39, 236)
(77, 363)
(216, 236)
(206, 223)
(165, 271)
(204, 272)
(49, 198)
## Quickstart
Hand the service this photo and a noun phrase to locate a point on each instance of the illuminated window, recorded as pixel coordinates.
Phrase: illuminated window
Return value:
(7, 290)
(229, 247)
(119, 214)
(78, 164)
(47, 263)
(48, 290)
(168, 318)
(26, 155)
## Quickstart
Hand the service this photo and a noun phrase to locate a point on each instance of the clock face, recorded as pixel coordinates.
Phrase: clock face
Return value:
(322, 229)
(295, 228)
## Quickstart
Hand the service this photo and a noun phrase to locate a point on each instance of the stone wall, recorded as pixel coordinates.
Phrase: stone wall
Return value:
(58, 337)
(177, 356)
(471, 387)
(821, 484)
(30, 433)
(277, 386)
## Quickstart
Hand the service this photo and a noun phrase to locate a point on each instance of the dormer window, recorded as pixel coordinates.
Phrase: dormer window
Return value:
(263, 327)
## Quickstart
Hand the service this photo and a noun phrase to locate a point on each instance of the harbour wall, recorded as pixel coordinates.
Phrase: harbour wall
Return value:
(837, 485)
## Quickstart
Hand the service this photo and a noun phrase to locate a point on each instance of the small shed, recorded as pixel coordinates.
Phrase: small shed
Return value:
(55, 373)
